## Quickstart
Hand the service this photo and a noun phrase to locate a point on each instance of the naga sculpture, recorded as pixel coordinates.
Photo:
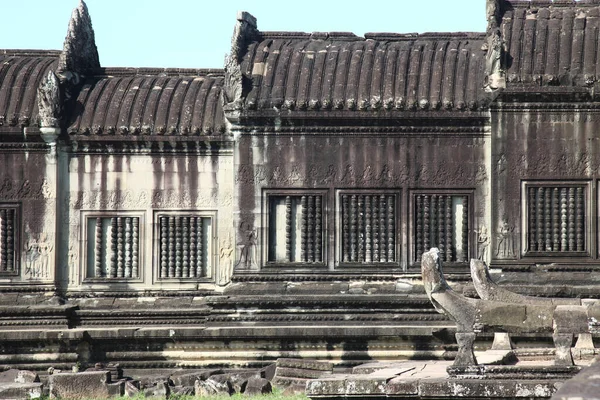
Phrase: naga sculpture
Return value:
(476, 315)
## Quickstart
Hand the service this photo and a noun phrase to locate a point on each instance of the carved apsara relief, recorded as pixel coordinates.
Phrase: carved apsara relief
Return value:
(247, 245)
(39, 250)
(505, 241)
(225, 261)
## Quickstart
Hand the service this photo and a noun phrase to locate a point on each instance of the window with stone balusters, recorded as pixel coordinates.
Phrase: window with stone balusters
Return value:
(556, 222)
(368, 228)
(442, 220)
(184, 245)
(295, 228)
(113, 246)
(9, 227)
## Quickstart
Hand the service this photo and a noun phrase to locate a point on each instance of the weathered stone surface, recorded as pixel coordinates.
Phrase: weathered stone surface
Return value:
(159, 390)
(185, 378)
(82, 385)
(183, 391)
(116, 389)
(256, 386)
(269, 371)
(299, 373)
(14, 390)
(132, 388)
(304, 364)
(584, 385)
(211, 387)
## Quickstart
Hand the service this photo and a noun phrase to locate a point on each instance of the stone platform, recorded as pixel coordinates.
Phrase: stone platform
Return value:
(437, 379)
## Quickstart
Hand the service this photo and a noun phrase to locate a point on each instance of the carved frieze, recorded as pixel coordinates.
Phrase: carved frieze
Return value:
(128, 199)
(11, 189)
(371, 175)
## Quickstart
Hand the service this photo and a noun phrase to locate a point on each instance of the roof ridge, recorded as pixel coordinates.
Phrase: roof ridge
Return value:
(137, 71)
(29, 52)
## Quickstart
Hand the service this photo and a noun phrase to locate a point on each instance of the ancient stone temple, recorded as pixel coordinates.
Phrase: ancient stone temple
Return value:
(280, 206)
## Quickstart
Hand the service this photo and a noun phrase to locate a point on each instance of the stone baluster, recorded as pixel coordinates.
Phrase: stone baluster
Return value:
(442, 226)
(579, 215)
(200, 268)
(361, 228)
(368, 229)
(376, 220)
(419, 227)
(571, 219)
(171, 247)
(178, 244)
(3, 241)
(353, 226)
(539, 211)
(318, 229)
(434, 221)
(185, 250)
(98, 273)
(345, 228)
(548, 218)
(311, 229)
(564, 236)
(164, 247)
(288, 228)
(10, 243)
(135, 248)
(465, 229)
(449, 230)
(127, 253)
(382, 229)
(303, 228)
(555, 219)
(114, 248)
(193, 247)
(426, 222)
(391, 233)
(532, 221)
(120, 248)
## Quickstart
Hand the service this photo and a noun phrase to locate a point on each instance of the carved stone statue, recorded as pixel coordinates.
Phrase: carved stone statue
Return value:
(49, 103)
(476, 315)
(244, 31)
(493, 62)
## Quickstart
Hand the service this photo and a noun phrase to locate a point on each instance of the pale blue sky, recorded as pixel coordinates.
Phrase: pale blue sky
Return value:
(197, 33)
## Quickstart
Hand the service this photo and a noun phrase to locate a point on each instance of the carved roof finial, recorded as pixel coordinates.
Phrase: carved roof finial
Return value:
(49, 102)
(244, 33)
(79, 50)
(494, 17)
(494, 47)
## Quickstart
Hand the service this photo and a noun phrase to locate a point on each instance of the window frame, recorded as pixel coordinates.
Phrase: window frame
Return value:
(264, 236)
(212, 258)
(397, 193)
(17, 240)
(85, 215)
(587, 213)
(459, 266)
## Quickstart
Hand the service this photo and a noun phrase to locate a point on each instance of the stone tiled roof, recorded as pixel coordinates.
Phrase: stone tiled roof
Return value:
(340, 71)
(552, 43)
(21, 72)
(172, 102)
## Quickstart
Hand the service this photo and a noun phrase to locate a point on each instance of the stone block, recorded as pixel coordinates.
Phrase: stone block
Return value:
(14, 390)
(24, 376)
(571, 319)
(161, 390)
(186, 378)
(268, 372)
(299, 363)
(183, 391)
(299, 373)
(317, 288)
(116, 389)
(211, 387)
(335, 386)
(82, 385)
(132, 388)
(256, 386)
